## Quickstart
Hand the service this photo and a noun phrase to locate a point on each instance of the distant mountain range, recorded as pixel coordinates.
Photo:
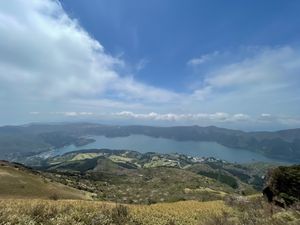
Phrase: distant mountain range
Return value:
(33, 138)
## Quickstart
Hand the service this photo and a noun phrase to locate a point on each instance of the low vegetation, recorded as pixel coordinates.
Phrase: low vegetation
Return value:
(234, 211)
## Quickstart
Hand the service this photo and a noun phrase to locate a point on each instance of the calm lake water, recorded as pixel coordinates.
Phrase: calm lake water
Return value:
(145, 144)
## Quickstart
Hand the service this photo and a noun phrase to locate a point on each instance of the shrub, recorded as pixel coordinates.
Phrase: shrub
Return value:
(283, 184)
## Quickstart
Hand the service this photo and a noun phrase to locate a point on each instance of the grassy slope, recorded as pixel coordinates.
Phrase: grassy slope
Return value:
(18, 182)
(184, 212)
(239, 212)
(91, 212)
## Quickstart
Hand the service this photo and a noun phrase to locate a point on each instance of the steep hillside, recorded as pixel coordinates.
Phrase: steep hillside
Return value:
(17, 181)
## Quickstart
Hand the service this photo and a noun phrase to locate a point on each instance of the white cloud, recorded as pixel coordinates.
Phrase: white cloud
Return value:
(265, 115)
(210, 118)
(198, 117)
(44, 54)
(202, 119)
(270, 69)
(34, 113)
(203, 93)
(72, 114)
(241, 117)
(266, 80)
(203, 59)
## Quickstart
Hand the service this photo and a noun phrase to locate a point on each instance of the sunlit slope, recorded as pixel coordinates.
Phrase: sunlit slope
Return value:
(92, 212)
(184, 212)
(19, 182)
(238, 211)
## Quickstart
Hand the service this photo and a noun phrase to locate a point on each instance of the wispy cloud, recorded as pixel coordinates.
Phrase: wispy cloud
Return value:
(266, 80)
(141, 64)
(202, 59)
(216, 117)
(34, 113)
(268, 66)
(73, 114)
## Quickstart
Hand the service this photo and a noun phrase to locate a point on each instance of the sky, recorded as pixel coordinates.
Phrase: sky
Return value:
(233, 64)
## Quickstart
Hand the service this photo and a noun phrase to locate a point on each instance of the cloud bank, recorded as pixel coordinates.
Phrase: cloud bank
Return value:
(203, 119)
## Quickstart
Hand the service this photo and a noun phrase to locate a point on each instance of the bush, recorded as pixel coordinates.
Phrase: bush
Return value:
(283, 184)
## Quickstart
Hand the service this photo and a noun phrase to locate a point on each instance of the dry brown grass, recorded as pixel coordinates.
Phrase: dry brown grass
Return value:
(20, 183)
(185, 212)
(79, 212)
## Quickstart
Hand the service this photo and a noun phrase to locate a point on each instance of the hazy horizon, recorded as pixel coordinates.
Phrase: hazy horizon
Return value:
(118, 123)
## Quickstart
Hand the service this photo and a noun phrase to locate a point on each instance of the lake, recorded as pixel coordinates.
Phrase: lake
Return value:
(145, 144)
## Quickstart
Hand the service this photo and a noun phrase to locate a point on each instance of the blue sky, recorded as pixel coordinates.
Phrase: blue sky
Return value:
(166, 34)
(232, 63)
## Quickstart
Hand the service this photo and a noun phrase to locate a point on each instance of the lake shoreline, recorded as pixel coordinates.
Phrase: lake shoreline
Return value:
(143, 144)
